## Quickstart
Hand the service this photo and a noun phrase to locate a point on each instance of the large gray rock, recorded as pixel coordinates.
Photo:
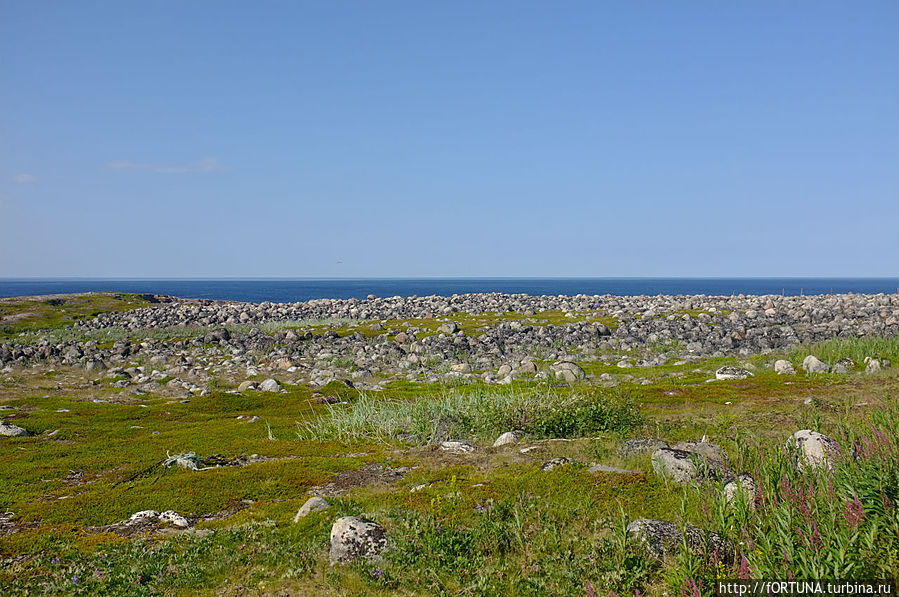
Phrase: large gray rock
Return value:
(10, 430)
(677, 465)
(813, 364)
(690, 461)
(813, 449)
(355, 538)
(783, 367)
(660, 538)
(567, 370)
(313, 504)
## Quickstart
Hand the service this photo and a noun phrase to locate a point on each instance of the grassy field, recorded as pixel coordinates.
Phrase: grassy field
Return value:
(491, 522)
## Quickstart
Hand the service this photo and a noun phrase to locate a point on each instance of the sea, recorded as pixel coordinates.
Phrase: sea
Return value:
(294, 290)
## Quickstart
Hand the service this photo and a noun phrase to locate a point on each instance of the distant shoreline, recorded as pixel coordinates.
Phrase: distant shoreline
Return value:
(295, 290)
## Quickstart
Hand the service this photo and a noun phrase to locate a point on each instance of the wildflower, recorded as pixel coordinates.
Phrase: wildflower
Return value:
(743, 573)
(74, 579)
(853, 512)
(376, 573)
(56, 560)
(590, 592)
(480, 507)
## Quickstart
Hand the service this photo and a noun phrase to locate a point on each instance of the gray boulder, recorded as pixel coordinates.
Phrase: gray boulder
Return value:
(783, 367)
(507, 438)
(10, 430)
(567, 371)
(355, 538)
(813, 364)
(660, 538)
(677, 465)
(270, 385)
(873, 365)
(813, 449)
(313, 504)
(449, 327)
(742, 483)
(844, 365)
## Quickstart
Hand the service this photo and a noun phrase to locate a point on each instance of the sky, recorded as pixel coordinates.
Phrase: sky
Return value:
(263, 138)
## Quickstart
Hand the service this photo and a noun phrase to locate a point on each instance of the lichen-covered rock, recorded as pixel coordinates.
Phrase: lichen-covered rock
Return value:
(729, 372)
(173, 518)
(355, 538)
(813, 449)
(677, 465)
(844, 365)
(313, 504)
(660, 538)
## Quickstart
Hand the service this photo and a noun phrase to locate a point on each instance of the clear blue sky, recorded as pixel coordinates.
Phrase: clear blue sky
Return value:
(209, 138)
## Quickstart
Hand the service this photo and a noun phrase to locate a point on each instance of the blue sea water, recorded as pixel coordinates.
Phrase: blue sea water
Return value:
(292, 290)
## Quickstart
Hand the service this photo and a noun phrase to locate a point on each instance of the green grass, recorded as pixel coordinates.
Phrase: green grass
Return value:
(855, 348)
(481, 414)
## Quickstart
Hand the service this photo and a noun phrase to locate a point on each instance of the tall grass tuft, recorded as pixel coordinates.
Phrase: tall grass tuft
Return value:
(481, 414)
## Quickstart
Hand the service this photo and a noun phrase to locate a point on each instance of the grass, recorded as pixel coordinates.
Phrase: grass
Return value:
(482, 414)
(855, 348)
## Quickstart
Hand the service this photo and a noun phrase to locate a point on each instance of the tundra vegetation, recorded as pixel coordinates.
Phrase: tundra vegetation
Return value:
(467, 445)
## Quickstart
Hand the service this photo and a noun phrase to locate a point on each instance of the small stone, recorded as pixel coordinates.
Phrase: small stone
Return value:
(449, 327)
(246, 385)
(567, 371)
(555, 462)
(462, 368)
(874, 365)
(355, 538)
(313, 504)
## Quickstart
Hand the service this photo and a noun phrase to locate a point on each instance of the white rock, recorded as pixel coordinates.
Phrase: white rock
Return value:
(507, 438)
(173, 518)
(10, 430)
(783, 367)
(813, 364)
(313, 504)
(270, 385)
(742, 483)
(457, 446)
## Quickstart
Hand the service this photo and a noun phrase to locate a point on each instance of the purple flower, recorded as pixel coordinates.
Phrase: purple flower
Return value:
(480, 507)
(54, 561)
(376, 573)
(75, 579)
